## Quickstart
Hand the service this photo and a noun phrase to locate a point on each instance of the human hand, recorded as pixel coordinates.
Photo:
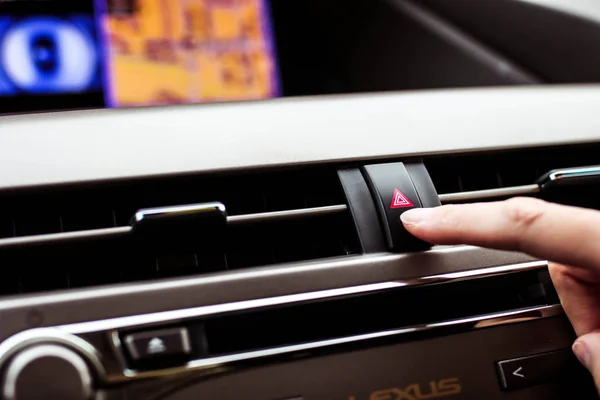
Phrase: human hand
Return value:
(568, 237)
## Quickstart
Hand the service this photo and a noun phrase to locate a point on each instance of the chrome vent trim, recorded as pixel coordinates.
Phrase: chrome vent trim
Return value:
(65, 237)
(121, 231)
(569, 174)
(476, 195)
(286, 215)
(550, 179)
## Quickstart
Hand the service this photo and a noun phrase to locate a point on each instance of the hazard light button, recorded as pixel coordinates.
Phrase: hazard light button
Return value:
(396, 188)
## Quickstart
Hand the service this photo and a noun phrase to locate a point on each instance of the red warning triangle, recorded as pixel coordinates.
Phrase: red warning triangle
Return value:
(399, 200)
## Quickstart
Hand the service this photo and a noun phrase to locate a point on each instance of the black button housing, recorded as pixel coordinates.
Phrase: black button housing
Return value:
(158, 344)
(396, 188)
(532, 370)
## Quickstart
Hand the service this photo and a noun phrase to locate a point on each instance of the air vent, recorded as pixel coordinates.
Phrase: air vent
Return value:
(59, 238)
(491, 176)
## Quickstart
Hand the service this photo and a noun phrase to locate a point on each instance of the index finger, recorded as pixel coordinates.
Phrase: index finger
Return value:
(563, 234)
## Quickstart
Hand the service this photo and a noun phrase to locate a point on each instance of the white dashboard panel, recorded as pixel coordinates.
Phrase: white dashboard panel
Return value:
(111, 144)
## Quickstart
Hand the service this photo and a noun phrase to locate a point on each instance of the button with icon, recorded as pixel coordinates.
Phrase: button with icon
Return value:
(159, 343)
(396, 188)
(532, 370)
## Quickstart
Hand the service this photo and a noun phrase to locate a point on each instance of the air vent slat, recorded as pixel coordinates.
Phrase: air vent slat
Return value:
(500, 175)
(37, 223)
(83, 235)
(480, 195)
(9, 284)
(482, 178)
(515, 177)
(6, 228)
(90, 234)
(86, 219)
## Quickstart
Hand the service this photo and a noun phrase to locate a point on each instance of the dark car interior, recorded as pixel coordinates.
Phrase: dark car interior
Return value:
(210, 209)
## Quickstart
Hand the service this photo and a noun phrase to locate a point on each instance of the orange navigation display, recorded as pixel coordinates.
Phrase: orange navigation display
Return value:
(188, 51)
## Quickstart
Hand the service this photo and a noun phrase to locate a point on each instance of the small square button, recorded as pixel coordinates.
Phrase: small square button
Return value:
(159, 343)
(527, 371)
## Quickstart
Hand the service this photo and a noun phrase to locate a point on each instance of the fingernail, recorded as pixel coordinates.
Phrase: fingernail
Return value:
(582, 352)
(415, 216)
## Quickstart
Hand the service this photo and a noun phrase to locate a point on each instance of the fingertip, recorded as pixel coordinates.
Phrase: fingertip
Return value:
(582, 352)
(587, 350)
(415, 216)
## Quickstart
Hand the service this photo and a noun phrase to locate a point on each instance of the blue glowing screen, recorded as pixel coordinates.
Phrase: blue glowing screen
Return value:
(81, 54)
(48, 55)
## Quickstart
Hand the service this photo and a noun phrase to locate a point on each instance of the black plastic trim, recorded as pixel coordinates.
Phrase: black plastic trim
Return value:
(363, 211)
(422, 182)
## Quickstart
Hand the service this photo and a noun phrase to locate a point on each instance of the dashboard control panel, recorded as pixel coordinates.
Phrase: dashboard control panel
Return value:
(363, 342)
(499, 362)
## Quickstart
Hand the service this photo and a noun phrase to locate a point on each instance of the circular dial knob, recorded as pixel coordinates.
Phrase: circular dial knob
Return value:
(47, 371)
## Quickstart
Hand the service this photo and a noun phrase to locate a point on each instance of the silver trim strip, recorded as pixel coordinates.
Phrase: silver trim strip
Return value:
(489, 193)
(478, 273)
(566, 174)
(553, 177)
(65, 237)
(177, 210)
(473, 323)
(180, 315)
(285, 215)
(122, 231)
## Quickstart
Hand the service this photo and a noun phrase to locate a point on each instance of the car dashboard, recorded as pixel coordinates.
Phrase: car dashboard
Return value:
(253, 249)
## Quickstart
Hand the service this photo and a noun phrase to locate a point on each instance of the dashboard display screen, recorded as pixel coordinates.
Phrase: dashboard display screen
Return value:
(121, 53)
(75, 54)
